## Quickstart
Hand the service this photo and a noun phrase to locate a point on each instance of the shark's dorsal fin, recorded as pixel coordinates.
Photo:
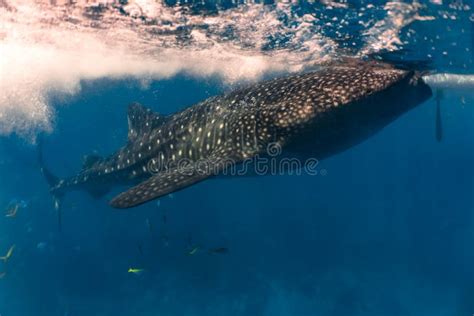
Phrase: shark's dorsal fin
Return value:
(171, 180)
(142, 120)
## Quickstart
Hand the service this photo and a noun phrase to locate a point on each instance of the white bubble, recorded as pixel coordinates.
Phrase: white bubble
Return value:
(48, 50)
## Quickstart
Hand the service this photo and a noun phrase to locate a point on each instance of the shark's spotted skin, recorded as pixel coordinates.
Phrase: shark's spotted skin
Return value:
(318, 113)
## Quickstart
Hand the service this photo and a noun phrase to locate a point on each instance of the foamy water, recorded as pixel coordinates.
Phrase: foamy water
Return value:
(48, 49)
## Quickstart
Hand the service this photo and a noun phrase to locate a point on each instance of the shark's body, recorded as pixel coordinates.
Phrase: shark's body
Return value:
(314, 114)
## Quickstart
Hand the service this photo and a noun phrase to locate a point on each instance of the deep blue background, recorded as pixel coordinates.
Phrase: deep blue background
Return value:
(388, 231)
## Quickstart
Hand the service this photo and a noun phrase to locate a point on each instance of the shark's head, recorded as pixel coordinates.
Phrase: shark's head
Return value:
(352, 102)
(377, 91)
(398, 95)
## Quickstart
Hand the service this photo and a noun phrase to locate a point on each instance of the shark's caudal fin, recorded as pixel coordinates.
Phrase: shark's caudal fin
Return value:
(52, 182)
(49, 176)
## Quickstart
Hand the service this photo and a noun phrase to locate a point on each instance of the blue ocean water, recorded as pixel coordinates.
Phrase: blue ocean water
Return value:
(387, 229)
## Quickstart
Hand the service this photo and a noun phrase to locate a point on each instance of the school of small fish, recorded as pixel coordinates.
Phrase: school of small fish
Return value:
(10, 211)
(13, 209)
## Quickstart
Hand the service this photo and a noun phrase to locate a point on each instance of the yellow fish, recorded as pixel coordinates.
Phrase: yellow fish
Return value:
(135, 271)
(9, 254)
(193, 251)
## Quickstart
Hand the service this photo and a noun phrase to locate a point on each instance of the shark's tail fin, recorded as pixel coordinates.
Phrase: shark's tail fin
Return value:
(8, 255)
(52, 182)
(48, 175)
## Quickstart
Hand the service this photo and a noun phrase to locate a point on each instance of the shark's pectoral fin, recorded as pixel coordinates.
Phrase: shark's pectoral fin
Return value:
(142, 120)
(166, 182)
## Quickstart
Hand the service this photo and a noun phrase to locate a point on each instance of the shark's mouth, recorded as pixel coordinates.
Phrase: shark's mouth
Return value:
(48, 49)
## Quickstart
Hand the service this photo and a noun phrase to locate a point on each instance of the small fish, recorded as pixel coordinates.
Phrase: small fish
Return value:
(135, 270)
(219, 250)
(12, 210)
(2, 275)
(9, 254)
(193, 251)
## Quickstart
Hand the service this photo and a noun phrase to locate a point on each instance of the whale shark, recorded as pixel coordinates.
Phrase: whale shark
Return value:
(312, 114)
